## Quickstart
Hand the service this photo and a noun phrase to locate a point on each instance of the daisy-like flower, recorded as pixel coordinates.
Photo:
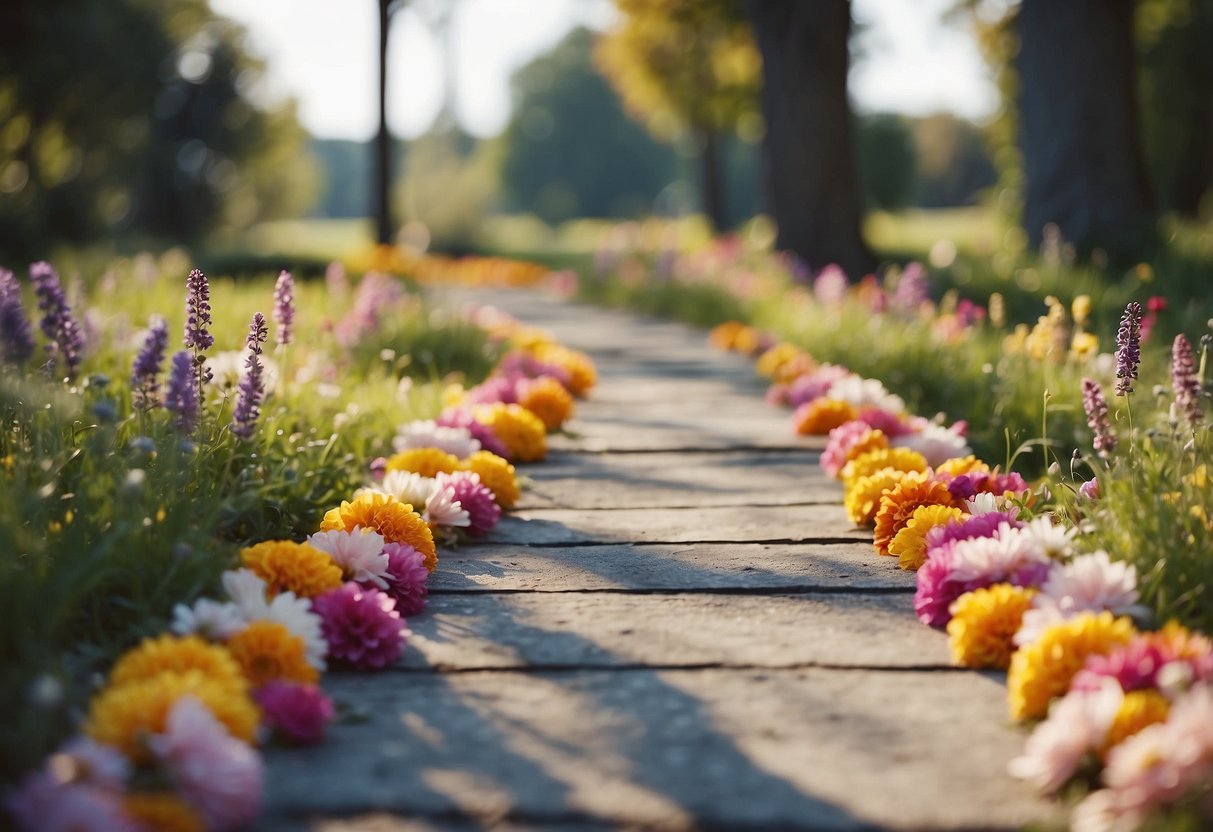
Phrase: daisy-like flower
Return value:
(249, 594)
(358, 553)
(909, 545)
(984, 623)
(217, 774)
(898, 504)
(1007, 554)
(1043, 670)
(862, 498)
(1076, 727)
(986, 503)
(863, 465)
(212, 620)
(936, 443)
(297, 713)
(396, 521)
(523, 433)
(497, 474)
(173, 654)
(424, 461)
(362, 626)
(287, 566)
(865, 392)
(405, 486)
(850, 440)
(821, 415)
(1055, 540)
(442, 510)
(458, 417)
(407, 584)
(457, 441)
(267, 650)
(546, 398)
(474, 498)
(1088, 583)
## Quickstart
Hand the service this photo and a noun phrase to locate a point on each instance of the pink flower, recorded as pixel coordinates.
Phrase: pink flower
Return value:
(217, 774)
(1077, 726)
(937, 443)
(362, 627)
(1133, 667)
(777, 395)
(814, 385)
(494, 389)
(1091, 582)
(475, 498)
(458, 417)
(408, 576)
(43, 803)
(297, 712)
(522, 363)
(1090, 489)
(838, 446)
(893, 424)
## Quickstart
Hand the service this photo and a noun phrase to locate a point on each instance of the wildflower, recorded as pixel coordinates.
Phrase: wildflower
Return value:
(1096, 407)
(407, 576)
(298, 713)
(423, 461)
(1128, 348)
(294, 567)
(145, 388)
(522, 432)
(396, 521)
(475, 499)
(252, 386)
(362, 626)
(16, 340)
(181, 397)
(59, 325)
(497, 474)
(898, 504)
(912, 289)
(359, 553)
(173, 654)
(284, 308)
(1090, 488)
(198, 338)
(1080, 309)
(1184, 381)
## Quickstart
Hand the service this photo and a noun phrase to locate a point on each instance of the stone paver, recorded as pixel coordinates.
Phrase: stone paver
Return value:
(677, 630)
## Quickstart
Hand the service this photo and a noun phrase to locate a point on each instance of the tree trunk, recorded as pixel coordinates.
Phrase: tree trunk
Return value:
(711, 182)
(381, 187)
(1079, 126)
(809, 158)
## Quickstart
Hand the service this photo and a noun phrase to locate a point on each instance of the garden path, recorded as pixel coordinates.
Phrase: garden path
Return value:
(678, 629)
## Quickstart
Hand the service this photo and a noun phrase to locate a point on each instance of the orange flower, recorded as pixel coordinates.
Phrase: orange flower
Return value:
(580, 368)
(162, 811)
(871, 440)
(902, 459)
(428, 462)
(962, 465)
(267, 650)
(789, 371)
(547, 399)
(497, 475)
(862, 500)
(383, 513)
(287, 566)
(520, 430)
(724, 336)
(898, 504)
(820, 416)
(770, 362)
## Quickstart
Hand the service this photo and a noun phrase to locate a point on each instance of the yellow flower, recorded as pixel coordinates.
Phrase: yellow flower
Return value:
(1199, 478)
(984, 623)
(178, 654)
(580, 368)
(547, 399)
(1180, 642)
(1043, 670)
(769, 363)
(497, 475)
(452, 395)
(287, 566)
(520, 430)
(267, 650)
(1083, 346)
(1139, 709)
(821, 416)
(898, 504)
(746, 340)
(724, 336)
(902, 459)
(960, 465)
(124, 715)
(909, 545)
(862, 499)
(383, 513)
(161, 811)
(1080, 309)
(1017, 341)
(428, 462)
(870, 440)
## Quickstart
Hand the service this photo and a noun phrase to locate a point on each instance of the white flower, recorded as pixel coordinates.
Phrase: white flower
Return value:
(935, 442)
(985, 503)
(1091, 582)
(1078, 725)
(407, 487)
(425, 433)
(210, 619)
(359, 553)
(247, 592)
(995, 558)
(865, 392)
(229, 368)
(1057, 542)
(442, 509)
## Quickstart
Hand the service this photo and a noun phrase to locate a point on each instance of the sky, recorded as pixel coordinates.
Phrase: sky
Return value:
(323, 53)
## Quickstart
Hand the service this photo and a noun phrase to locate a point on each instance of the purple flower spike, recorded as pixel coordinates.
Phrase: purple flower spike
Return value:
(181, 397)
(16, 339)
(145, 387)
(1184, 381)
(1128, 348)
(284, 308)
(1096, 407)
(197, 323)
(58, 324)
(252, 386)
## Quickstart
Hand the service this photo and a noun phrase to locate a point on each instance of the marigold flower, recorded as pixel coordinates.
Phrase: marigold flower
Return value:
(898, 504)
(396, 521)
(169, 653)
(801, 365)
(267, 651)
(901, 459)
(125, 715)
(1044, 669)
(1139, 709)
(162, 811)
(521, 430)
(287, 566)
(820, 416)
(909, 545)
(862, 499)
(984, 623)
(428, 462)
(496, 473)
(547, 399)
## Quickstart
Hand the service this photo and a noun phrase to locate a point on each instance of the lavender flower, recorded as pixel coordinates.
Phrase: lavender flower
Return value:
(252, 386)
(197, 322)
(284, 307)
(181, 397)
(16, 340)
(1128, 348)
(145, 388)
(912, 289)
(58, 323)
(1096, 407)
(1184, 381)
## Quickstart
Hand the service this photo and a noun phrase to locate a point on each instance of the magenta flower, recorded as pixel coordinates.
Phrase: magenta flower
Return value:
(362, 626)
(1184, 381)
(522, 363)
(776, 395)
(1134, 666)
(459, 417)
(912, 289)
(830, 285)
(284, 308)
(842, 439)
(1096, 408)
(475, 498)
(407, 577)
(496, 388)
(814, 385)
(891, 424)
(296, 712)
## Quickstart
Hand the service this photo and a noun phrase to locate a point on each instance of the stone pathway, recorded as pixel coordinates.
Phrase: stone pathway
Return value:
(679, 629)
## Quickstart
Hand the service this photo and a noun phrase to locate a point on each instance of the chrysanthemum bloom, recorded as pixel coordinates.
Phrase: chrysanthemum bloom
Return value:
(16, 339)
(547, 399)
(168, 653)
(248, 592)
(267, 650)
(475, 498)
(1139, 709)
(899, 459)
(1096, 408)
(936, 443)
(297, 713)
(1136, 666)
(1185, 381)
(1089, 583)
(162, 811)
(799, 365)
(460, 417)
(407, 576)
(457, 441)
(848, 441)
(215, 773)
(359, 553)
(396, 521)
(286, 566)
(909, 545)
(522, 431)
(443, 512)
(1181, 644)
(424, 461)
(1128, 348)
(984, 623)
(124, 715)
(820, 416)
(961, 465)
(580, 368)
(814, 385)
(769, 362)
(519, 363)
(362, 626)
(78, 789)
(496, 388)
(1044, 669)
(497, 474)
(1075, 729)
(950, 571)
(862, 499)
(897, 506)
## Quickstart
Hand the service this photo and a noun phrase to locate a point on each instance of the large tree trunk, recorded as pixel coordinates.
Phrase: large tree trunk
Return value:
(812, 186)
(711, 180)
(381, 188)
(1079, 125)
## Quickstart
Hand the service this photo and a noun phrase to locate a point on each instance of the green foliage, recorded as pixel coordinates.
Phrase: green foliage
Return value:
(886, 161)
